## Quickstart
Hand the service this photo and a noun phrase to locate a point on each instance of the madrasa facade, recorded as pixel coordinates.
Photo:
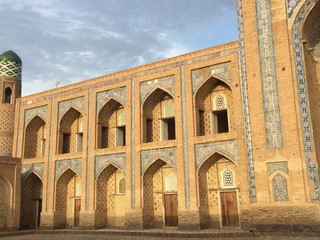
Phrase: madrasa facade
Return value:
(224, 137)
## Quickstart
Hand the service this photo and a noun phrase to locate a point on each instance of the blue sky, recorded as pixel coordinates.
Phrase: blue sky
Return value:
(74, 40)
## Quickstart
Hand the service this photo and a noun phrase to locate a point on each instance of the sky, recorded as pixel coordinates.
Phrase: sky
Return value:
(75, 40)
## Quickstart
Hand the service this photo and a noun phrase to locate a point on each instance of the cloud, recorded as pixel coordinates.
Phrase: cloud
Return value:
(74, 40)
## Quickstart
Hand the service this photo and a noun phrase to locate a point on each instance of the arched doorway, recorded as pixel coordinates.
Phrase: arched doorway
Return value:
(68, 200)
(218, 193)
(110, 198)
(5, 196)
(31, 202)
(160, 199)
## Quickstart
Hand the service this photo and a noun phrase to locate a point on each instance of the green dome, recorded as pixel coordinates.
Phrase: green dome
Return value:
(10, 56)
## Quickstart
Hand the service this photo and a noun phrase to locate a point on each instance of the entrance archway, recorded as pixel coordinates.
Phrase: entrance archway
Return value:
(31, 202)
(160, 200)
(5, 196)
(218, 193)
(68, 200)
(110, 198)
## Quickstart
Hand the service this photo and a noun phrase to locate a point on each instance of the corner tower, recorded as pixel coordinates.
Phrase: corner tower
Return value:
(10, 168)
(10, 89)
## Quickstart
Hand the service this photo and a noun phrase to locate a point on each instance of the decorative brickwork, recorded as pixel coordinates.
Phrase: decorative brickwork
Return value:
(312, 169)
(5, 193)
(10, 69)
(246, 109)
(35, 138)
(278, 166)
(269, 75)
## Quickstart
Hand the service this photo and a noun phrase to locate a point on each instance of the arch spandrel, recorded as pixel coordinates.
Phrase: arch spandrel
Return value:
(229, 149)
(168, 155)
(63, 165)
(166, 84)
(41, 112)
(117, 94)
(76, 103)
(103, 161)
(221, 72)
(36, 168)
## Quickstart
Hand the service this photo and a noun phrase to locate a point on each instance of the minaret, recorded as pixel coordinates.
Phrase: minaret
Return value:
(10, 90)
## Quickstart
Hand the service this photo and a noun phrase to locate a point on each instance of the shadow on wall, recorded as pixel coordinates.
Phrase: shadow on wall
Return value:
(5, 208)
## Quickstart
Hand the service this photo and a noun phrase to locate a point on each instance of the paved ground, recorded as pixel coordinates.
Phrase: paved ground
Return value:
(117, 237)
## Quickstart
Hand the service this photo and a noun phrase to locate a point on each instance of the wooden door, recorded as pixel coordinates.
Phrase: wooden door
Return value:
(171, 210)
(229, 209)
(77, 208)
(38, 212)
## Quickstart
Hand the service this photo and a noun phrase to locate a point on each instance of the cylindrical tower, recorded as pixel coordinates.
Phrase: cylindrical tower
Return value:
(10, 89)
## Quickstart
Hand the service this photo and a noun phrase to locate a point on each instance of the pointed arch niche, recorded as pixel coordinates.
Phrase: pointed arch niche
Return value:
(158, 117)
(160, 201)
(35, 138)
(218, 193)
(213, 107)
(110, 198)
(70, 132)
(111, 127)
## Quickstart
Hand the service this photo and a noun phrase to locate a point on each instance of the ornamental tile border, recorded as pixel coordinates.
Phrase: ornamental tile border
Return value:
(27, 169)
(269, 75)
(64, 106)
(42, 112)
(63, 165)
(10, 69)
(291, 6)
(219, 71)
(165, 83)
(228, 149)
(149, 156)
(246, 110)
(101, 162)
(277, 166)
(312, 170)
(118, 94)
(132, 166)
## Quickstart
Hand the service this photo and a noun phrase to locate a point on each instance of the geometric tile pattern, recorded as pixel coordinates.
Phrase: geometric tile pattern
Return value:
(291, 6)
(166, 154)
(277, 166)
(63, 165)
(164, 83)
(76, 103)
(118, 94)
(118, 160)
(269, 75)
(280, 188)
(228, 149)
(312, 170)
(42, 112)
(10, 69)
(36, 168)
(219, 71)
(246, 109)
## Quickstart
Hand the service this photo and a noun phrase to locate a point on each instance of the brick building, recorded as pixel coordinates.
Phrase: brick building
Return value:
(226, 136)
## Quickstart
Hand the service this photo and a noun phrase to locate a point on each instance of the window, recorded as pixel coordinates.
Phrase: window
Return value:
(227, 178)
(8, 95)
(280, 188)
(220, 121)
(104, 137)
(122, 186)
(149, 130)
(171, 182)
(168, 129)
(66, 143)
(121, 129)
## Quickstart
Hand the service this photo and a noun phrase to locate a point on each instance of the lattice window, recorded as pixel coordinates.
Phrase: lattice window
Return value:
(280, 188)
(168, 110)
(219, 103)
(227, 178)
(122, 185)
(171, 182)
